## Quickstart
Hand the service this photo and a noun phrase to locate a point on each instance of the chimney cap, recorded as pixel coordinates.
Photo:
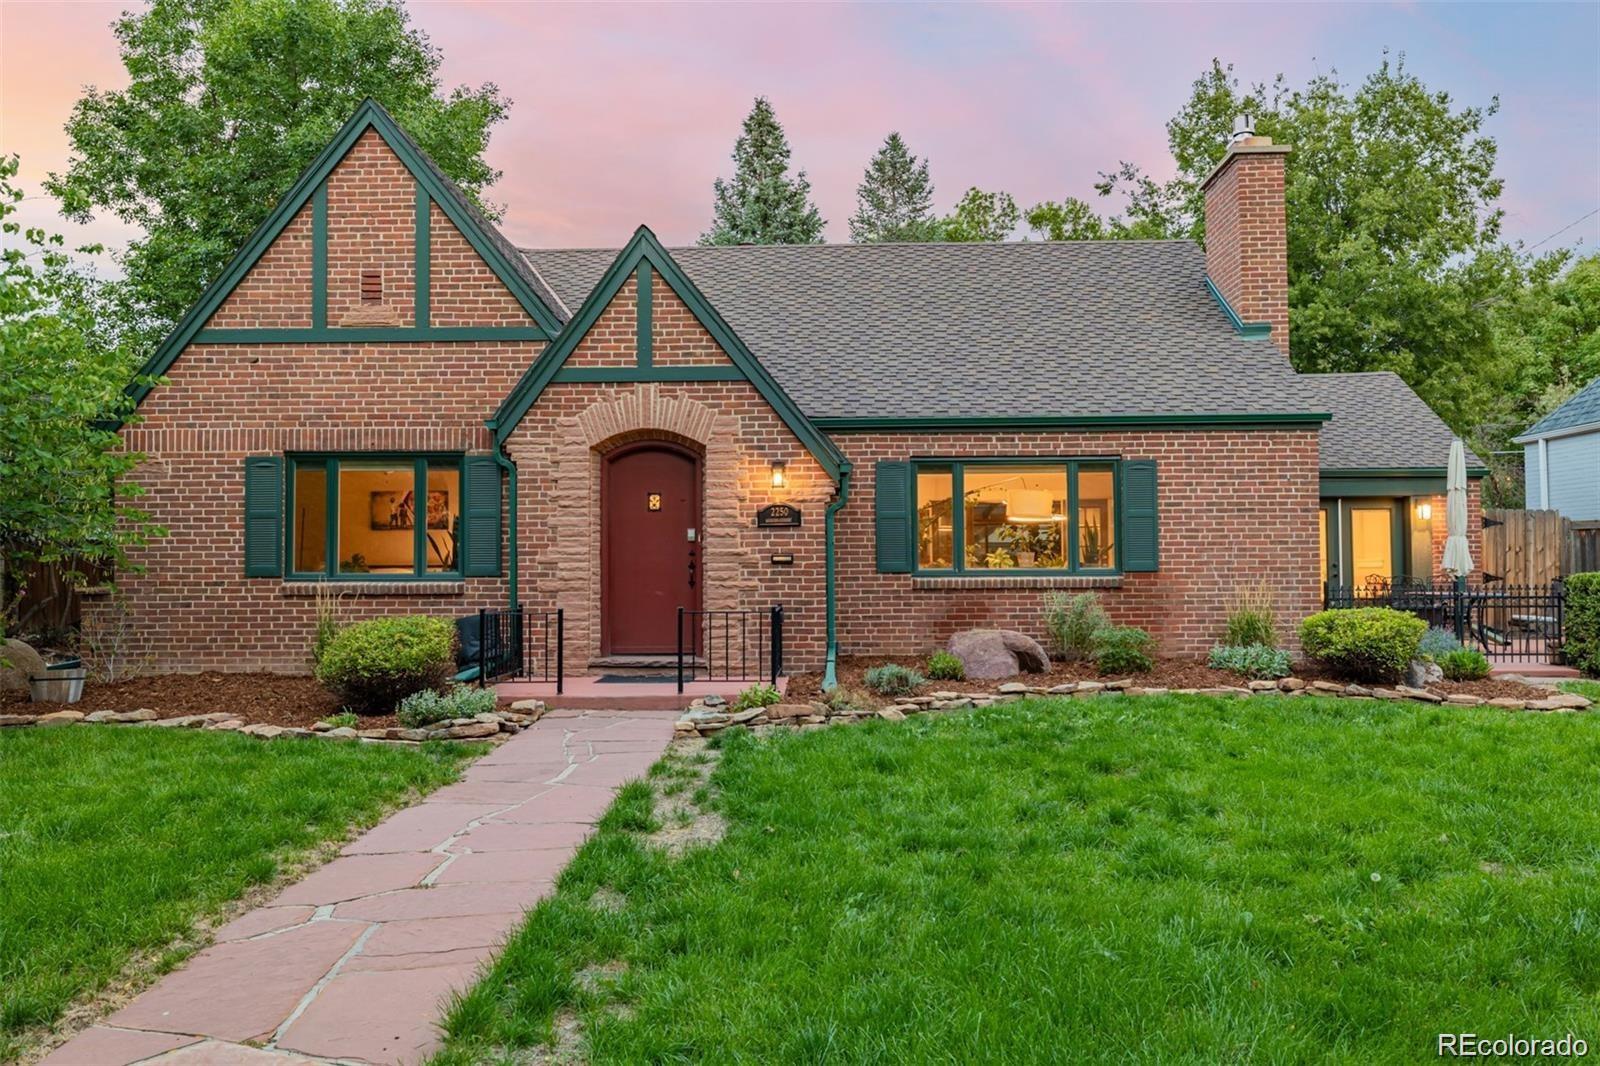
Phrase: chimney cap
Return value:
(1242, 128)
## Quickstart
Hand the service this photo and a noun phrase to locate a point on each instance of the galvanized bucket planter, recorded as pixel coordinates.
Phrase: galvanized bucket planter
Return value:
(60, 683)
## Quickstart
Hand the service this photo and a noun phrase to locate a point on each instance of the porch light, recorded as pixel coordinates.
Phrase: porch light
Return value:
(1425, 511)
(777, 473)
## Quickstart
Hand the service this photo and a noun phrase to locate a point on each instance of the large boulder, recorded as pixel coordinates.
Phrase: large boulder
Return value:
(990, 653)
(18, 663)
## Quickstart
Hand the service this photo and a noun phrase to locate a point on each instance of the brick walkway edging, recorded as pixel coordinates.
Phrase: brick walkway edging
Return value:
(355, 962)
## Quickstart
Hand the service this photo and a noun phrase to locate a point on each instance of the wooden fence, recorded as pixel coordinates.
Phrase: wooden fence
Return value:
(1537, 547)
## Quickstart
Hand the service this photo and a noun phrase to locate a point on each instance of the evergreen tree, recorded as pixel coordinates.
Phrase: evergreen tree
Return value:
(762, 204)
(894, 201)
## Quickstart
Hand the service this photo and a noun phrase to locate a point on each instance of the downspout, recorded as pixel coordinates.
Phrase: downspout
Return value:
(830, 675)
(505, 463)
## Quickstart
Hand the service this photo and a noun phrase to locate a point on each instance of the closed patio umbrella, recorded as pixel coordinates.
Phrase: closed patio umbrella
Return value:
(1457, 556)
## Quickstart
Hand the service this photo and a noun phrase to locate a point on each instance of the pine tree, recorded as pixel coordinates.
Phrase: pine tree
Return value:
(762, 204)
(894, 201)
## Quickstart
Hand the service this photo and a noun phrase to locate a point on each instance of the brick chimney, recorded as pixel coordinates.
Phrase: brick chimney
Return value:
(1247, 247)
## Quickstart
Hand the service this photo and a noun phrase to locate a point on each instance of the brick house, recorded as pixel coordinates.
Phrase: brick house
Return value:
(383, 396)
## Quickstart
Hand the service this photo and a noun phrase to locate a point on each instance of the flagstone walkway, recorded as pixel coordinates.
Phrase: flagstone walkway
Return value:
(354, 962)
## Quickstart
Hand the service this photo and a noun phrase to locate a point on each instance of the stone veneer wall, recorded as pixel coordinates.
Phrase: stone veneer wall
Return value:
(1236, 506)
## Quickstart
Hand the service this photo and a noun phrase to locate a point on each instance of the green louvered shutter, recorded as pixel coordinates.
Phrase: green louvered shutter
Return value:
(1140, 525)
(892, 508)
(480, 540)
(263, 516)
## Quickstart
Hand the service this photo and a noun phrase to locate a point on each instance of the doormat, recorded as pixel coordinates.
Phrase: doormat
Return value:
(640, 679)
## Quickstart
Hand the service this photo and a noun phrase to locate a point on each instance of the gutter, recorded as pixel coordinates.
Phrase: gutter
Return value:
(830, 674)
(504, 462)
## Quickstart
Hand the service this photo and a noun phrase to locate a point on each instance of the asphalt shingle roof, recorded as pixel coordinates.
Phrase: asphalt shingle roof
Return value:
(1378, 423)
(1029, 328)
(1020, 329)
(1581, 410)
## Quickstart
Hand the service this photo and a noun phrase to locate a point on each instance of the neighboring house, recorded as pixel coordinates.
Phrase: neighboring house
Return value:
(382, 396)
(1561, 458)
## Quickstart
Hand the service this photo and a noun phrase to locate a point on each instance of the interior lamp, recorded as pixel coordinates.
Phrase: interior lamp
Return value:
(1030, 506)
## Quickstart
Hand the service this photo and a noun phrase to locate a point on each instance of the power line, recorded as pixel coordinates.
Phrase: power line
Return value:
(1564, 229)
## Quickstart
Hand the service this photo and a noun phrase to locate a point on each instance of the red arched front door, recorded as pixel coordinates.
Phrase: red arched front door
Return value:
(649, 546)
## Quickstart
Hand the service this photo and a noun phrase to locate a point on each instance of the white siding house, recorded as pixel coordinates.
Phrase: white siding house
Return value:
(1561, 458)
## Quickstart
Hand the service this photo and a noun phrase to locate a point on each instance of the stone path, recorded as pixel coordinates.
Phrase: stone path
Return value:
(354, 962)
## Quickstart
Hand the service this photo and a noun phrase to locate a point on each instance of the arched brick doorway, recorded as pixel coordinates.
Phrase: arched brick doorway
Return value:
(651, 555)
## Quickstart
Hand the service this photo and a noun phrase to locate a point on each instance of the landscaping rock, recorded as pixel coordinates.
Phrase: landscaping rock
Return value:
(466, 731)
(343, 732)
(1063, 690)
(1121, 684)
(413, 735)
(992, 653)
(144, 714)
(1012, 687)
(748, 715)
(889, 714)
(714, 701)
(535, 707)
(1508, 703)
(60, 718)
(17, 719)
(780, 711)
(1358, 690)
(1089, 688)
(232, 725)
(1329, 687)
(1411, 692)
(1291, 684)
(1561, 701)
(1423, 672)
(1263, 686)
(1464, 699)
(18, 663)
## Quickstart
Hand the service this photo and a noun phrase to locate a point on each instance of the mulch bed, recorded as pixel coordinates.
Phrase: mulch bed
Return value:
(266, 699)
(1169, 673)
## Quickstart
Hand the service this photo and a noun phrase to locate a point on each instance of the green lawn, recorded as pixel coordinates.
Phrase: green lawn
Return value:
(113, 840)
(1173, 878)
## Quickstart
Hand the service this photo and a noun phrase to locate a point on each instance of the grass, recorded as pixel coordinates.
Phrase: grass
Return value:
(1168, 878)
(1590, 689)
(115, 840)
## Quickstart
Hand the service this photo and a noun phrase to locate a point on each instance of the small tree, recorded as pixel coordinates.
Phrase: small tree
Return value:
(894, 201)
(762, 204)
(63, 496)
(982, 216)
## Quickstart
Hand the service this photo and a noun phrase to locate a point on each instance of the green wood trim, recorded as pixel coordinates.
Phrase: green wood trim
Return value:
(370, 115)
(329, 462)
(263, 516)
(1014, 423)
(1138, 500)
(643, 247)
(830, 523)
(644, 318)
(319, 258)
(648, 373)
(368, 334)
(1250, 331)
(1399, 471)
(423, 281)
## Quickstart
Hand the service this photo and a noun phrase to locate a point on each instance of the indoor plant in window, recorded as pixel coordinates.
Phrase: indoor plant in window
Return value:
(1035, 544)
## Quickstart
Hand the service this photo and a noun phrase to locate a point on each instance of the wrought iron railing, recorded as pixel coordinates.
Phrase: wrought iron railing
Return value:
(739, 645)
(1510, 623)
(517, 644)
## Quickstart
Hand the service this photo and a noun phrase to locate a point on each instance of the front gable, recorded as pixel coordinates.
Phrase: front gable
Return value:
(618, 336)
(371, 215)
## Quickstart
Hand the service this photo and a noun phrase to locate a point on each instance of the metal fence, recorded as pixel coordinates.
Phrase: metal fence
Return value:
(730, 645)
(517, 644)
(1508, 623)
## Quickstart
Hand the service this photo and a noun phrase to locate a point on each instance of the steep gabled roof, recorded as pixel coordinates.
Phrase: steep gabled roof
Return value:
(645, 249)
(1582, 410)
(1379, 424)
(1012, 330)
(500, 255)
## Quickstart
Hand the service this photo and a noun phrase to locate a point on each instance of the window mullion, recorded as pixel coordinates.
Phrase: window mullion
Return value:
(1072, 517)
(419, 518)
(958, 518)
(330, 521)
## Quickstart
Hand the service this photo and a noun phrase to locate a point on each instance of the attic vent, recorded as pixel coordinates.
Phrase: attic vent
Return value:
(371, 286)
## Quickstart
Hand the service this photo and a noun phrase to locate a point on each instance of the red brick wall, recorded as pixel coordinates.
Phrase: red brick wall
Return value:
(1441, 531)
(192, 608)
(1236, 507)
(1247, 249)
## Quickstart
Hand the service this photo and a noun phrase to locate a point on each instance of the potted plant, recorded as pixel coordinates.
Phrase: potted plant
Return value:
(60, 683)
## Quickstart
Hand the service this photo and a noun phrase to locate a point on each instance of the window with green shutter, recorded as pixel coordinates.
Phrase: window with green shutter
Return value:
(892, 505)
(1140, 524)
(263, 516)
(386, 516)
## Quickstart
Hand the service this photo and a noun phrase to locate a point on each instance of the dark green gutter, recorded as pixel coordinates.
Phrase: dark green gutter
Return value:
(830, 674)
(1389, 481)
(505, 463)
(1250, 331)
(936, 423)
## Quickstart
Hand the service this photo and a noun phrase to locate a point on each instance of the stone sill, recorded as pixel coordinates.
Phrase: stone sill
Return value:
(1019, 581)
(374, 588)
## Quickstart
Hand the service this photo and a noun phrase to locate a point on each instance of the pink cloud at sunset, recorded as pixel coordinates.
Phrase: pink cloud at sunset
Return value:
(625, 113)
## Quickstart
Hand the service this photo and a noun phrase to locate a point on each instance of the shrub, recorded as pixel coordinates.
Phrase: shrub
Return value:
(1251, 660)
(372, 665)
(343, 720)
(1582, 646)
(892, 679)
(1364, 643)
(943, 666)
(1123, 650)
(1436, 643)
(757, 695)
(1073, 623)
(460, 701)
(1252, 620)
(330, 619)
(1464, 664)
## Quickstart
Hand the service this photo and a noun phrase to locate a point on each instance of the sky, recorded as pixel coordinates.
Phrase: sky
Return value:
(625, 114)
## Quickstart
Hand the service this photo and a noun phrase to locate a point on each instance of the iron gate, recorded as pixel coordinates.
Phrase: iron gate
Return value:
(1508, 623)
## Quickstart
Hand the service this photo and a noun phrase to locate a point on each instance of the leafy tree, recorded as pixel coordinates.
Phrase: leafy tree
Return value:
(762, 204)
(62, 494)
(894, 201)
(227, 102)
(1069, 220)
(982, 216)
